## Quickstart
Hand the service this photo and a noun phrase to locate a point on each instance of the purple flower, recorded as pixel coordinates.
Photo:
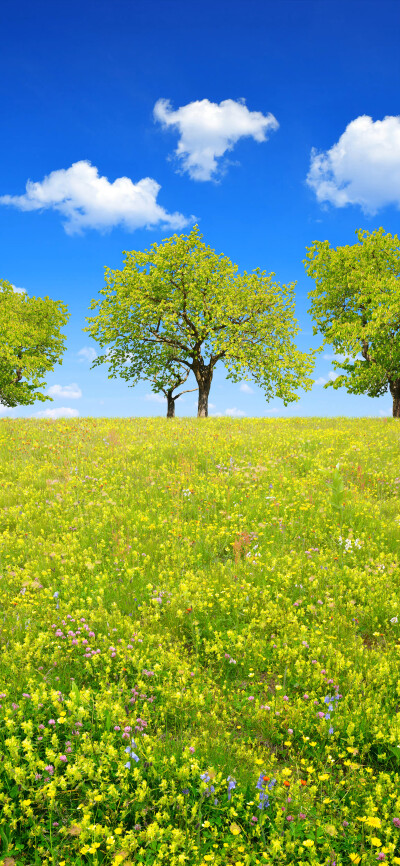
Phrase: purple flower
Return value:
(381, 856)
(231, 785)
(254, 819)
(51, 722)
(63, 758)
(396, 822)
(50, 769)
(321, 715)
(289, 818)
(345, 823)
(302, 816)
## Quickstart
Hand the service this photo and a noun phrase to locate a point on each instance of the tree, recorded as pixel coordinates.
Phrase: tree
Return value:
(181, 298)
(30, 344)
(356, 306)
(169, 377)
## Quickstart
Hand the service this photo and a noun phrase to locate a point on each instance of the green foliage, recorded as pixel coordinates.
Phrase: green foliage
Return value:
(337, 492)
(30, 344)
(356, 307)
(179, 301)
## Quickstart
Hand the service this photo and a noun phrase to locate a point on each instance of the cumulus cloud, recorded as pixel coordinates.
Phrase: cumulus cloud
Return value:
(19, 291)
(87, 200)
(208, 129)
(155, 398)
(87, 354)
(331, 376)
(246, 388)
(362, 168)
(61, 412)
(235, 413)
(65, 392)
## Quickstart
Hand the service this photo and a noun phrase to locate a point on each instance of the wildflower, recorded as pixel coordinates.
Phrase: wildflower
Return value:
(235, 829)
(191, 749)
(254, 819)
(376, 842)
(308, 843)
(381, 856)
(395, 619)
(51, 722)
(302, 816)
(396, 822)
(231, 786)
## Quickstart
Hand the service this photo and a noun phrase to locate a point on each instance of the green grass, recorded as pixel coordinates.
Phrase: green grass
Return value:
(185, 580)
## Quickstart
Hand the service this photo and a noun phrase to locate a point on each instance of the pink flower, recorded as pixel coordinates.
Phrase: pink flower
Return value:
(321, 715)
(191, 749)
(396, 822)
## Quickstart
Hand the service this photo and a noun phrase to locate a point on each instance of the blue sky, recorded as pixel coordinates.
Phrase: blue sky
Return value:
(272, 124)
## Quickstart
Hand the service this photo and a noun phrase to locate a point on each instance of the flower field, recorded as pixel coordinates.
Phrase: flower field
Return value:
(200, 641)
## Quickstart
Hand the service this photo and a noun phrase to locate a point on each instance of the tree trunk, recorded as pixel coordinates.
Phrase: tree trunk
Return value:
(171, 406)
(395, 392)
(204, 383)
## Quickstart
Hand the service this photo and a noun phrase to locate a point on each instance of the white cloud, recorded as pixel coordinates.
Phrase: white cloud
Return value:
(87, 200)
(65, 392)
(235, 413)
(87, 354)
(207, 130)
(155, 398)
(61, 412)
(246, 388)
(19, 291)
(340, 357)
(331, 376)
(6, 408)
(362, 168)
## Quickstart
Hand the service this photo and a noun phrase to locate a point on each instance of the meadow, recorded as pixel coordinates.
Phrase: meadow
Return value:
(200, 641)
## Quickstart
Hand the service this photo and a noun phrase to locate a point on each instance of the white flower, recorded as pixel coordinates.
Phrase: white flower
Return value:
(395, 619)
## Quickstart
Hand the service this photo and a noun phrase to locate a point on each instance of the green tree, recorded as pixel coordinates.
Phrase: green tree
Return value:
(173, 382)
(182, 297)
(30, 344)
(356, 306)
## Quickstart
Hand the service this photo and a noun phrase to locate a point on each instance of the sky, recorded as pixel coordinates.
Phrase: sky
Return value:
(269, 124)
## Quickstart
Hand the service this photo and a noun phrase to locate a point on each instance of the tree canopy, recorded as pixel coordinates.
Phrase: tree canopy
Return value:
(30, 344)
(356, 307)
(180, 301)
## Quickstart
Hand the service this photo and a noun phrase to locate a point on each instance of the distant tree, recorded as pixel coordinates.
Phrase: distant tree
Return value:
(30, 344)
(183, 297)
(356, 305)
(167, 381)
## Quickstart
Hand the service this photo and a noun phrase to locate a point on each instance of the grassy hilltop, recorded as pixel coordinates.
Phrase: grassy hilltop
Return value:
(200, 641)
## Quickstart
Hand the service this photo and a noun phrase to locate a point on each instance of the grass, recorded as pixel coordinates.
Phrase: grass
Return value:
(199, 641)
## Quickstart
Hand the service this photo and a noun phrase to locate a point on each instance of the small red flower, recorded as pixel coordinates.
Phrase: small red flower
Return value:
(302, 781)
(286, 784)
(266, 778)
(189, 609)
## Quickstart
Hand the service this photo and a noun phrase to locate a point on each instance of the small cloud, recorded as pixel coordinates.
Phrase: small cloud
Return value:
(208, 129)
(87, 354)
(19, 291)
(65, 392)
(235, 413)
(155, 398)
(6, 408)
(246, 388)
(362, 168)
(332, 375)
(340, 357)
(62, 412)
(87, 200)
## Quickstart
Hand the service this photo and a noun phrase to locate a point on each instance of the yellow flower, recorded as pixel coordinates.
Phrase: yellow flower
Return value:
(308, 843)
(323, 777)
(375, 841)
(355, 858)
(235, 829)
(374, 822)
